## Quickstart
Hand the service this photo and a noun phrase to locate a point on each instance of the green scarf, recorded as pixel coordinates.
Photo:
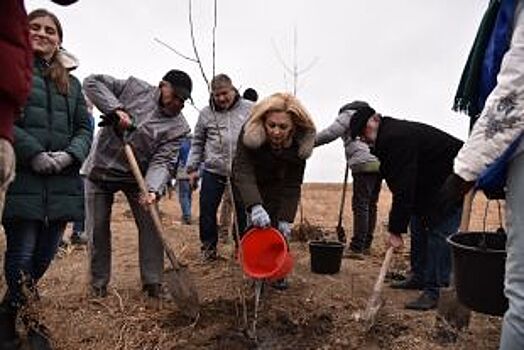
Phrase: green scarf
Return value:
(466, 98)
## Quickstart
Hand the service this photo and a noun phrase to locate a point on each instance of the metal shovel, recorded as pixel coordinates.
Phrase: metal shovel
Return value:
(178, 280)
(341, 234)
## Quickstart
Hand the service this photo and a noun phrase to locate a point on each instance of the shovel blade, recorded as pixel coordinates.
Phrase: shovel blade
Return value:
(370, 313)
(183, 291)
(452, 311)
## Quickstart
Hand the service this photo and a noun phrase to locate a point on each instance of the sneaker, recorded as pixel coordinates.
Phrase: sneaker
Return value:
(78, 238)
(409, 284)
(186, 220)
(423, 303)
(153, 290)
(280, 284)
(99, 292)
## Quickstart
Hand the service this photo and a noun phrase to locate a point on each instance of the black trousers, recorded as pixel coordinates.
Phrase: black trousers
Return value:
(366, 189)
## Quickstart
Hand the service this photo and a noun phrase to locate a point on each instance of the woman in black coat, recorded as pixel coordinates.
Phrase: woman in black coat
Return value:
(268, 168)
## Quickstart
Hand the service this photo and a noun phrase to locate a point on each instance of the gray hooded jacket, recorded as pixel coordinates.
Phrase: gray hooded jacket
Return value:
(215, 138)
(358, 155)
(156, 140)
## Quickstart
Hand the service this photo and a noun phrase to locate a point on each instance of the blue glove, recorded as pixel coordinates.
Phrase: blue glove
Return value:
(285, 229)
(259, 216)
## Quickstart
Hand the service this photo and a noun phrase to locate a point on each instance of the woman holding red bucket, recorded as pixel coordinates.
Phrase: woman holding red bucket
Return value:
(268, 168)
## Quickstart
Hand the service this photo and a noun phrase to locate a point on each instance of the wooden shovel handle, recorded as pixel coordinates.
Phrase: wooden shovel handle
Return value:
(373, 304)
(135, 169)
(383, 270)
(343, 199)
(466, 211)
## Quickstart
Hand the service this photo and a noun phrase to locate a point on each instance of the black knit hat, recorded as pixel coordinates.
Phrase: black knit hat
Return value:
(64, 2)
(181, 83)
(355, 105)
(359, 120)
(250, 94)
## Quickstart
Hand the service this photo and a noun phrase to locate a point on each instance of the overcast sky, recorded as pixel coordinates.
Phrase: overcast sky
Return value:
(404, 57)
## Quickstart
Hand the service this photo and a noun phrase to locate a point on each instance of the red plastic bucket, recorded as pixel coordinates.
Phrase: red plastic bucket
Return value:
(265, 254)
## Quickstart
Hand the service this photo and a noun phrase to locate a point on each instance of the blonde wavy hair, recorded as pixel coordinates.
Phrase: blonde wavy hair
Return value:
(254, 132)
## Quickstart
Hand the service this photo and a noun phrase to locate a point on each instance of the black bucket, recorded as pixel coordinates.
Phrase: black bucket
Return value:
(326, 256)
(479, 260)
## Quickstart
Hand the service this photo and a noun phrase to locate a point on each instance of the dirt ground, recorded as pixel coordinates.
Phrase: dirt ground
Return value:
(316, 312)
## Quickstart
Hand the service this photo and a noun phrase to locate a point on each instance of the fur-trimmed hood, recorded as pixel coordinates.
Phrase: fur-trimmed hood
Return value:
(68, 60)
(255, 135)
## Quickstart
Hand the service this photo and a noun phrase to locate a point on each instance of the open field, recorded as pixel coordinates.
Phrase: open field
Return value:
(316, 312)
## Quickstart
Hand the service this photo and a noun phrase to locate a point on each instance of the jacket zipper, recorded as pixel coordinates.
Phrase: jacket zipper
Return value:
(48, 145)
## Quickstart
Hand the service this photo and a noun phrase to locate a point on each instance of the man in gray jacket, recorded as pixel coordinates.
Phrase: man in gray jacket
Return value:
(366, 179)
(214, 145)
(155, 112)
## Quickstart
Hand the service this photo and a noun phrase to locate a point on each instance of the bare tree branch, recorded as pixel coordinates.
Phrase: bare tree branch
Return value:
(192, 104)
(295, 62)
(215, 17)
(309, 66)
(279, 57)
(175, 51)
(195, 49)
(295, 71)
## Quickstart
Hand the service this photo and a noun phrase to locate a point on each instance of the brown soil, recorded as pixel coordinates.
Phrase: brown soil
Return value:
(316, 312)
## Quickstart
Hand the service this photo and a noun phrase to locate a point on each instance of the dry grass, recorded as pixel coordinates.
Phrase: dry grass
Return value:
(317, 312)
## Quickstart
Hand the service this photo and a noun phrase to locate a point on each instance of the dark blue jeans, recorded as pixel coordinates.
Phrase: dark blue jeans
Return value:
(213, 186)
(419, 248)
(31, 246)
(437, 265)
(184, 198)
(78, 226)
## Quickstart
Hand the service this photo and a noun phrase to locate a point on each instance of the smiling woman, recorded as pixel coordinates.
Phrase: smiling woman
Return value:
(46, 35)
(52, 139)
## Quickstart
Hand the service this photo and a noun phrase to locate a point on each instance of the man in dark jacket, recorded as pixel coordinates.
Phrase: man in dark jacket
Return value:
(160, 127)
(415, 160)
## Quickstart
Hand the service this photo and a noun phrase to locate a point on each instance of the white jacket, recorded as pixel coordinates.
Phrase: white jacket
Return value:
(502, 119)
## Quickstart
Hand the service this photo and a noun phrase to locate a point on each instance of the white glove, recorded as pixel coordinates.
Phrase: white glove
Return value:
(285, 229)
(62, 160)
(259, 216)
(43, 163)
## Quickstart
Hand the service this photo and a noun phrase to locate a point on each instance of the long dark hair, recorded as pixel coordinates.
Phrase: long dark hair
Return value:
(56, 70)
